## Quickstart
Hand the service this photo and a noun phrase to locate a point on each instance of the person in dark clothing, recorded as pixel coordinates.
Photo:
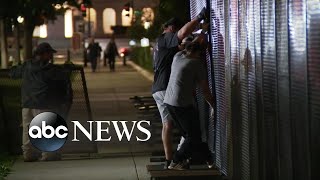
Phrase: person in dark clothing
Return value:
(45, 87)
(167, 45)
(111, 52)
(94, 51)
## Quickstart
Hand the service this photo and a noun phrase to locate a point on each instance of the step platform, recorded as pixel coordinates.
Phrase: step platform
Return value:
(157, 172)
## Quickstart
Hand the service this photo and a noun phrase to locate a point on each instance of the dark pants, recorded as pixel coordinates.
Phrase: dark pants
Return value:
(111, 63)
(94, 64)
(105, 61)
(187, 121)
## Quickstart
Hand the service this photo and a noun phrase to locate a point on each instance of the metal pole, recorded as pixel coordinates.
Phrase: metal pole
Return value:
(89, 23)
(17, 34)
(68, 56)
(133, 17)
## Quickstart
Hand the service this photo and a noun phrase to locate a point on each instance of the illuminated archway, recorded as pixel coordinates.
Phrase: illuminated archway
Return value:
(147, 15)
(68, 24)
(126, 17)
(40, 31)
(109, 19)
(93, 18)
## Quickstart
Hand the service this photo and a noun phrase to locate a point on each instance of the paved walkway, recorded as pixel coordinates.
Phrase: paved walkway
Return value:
(109, 93)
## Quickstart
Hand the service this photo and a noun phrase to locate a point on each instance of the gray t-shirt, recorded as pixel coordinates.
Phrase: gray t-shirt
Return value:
(185, 74)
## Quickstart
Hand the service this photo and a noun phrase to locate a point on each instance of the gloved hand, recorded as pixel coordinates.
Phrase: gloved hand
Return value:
(203, 14)
(211, 112)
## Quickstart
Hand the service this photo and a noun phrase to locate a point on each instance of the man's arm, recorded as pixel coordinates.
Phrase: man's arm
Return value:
(187, 29)
(16, 71)
(192, 25)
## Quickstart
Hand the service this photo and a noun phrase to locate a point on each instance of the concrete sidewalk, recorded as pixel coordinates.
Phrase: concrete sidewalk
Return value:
(115, 168)
(109, 94)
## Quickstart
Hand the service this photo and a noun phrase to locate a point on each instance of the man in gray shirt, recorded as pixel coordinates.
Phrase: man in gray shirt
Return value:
(187, 71)
(166, 46)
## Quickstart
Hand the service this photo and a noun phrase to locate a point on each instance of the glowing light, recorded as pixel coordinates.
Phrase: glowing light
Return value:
(147, 25)
(65, 5)
(126, 17)
(93, 18)
(20, 19)
(57, 6)
(121, 54)
(132, 43)
(109, 19)
(40, 31)
(68, 28)
(144, 42)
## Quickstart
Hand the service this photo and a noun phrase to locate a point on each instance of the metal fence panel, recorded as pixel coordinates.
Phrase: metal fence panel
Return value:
(284, 124)
(252, 99)
(313, 47)
(235, 88)
(269, 82)
(228, 81)
(267, 123)
(259, 92)
(218, 60)
(244, 127)
(298, 88)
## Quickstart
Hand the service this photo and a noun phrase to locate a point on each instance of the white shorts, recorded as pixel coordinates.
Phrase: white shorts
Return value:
(164, 113)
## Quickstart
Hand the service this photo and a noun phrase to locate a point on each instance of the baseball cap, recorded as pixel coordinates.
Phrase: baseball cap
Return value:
(44, 47)
(173, 21)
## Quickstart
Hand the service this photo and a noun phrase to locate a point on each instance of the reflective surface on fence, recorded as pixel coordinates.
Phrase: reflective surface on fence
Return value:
(264, 69)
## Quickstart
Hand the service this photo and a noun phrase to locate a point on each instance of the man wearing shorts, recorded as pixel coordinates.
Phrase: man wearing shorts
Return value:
(167, 45)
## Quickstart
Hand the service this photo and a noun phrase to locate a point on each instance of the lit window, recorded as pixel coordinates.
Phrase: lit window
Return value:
(126, 17)
(40, 31)
(93, 18)
(68, 25)
(109, 19)
(147, 15)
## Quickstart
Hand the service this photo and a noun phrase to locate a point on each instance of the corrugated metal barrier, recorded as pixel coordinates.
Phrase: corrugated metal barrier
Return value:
(264, 70)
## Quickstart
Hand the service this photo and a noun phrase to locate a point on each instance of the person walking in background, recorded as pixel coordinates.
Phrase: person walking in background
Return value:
(45, 87)
(111, 52)
(167, 45)
(93, 52)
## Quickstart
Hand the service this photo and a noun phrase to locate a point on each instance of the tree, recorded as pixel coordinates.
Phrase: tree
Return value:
(35, 13)
(165, 10)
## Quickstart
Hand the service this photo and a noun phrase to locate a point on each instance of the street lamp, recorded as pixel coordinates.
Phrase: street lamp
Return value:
(57, 6)
(68, 25)
(20, 19)
(146, 25)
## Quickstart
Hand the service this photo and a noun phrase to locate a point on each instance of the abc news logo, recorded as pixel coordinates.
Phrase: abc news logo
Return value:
(48, 131)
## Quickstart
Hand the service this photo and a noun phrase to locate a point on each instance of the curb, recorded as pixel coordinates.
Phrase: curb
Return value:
(148, 75)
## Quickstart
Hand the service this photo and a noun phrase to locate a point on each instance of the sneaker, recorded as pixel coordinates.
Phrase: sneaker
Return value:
(31, 157)
(178, 166)
(166, 164)
(210, 163)
(210, 166)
